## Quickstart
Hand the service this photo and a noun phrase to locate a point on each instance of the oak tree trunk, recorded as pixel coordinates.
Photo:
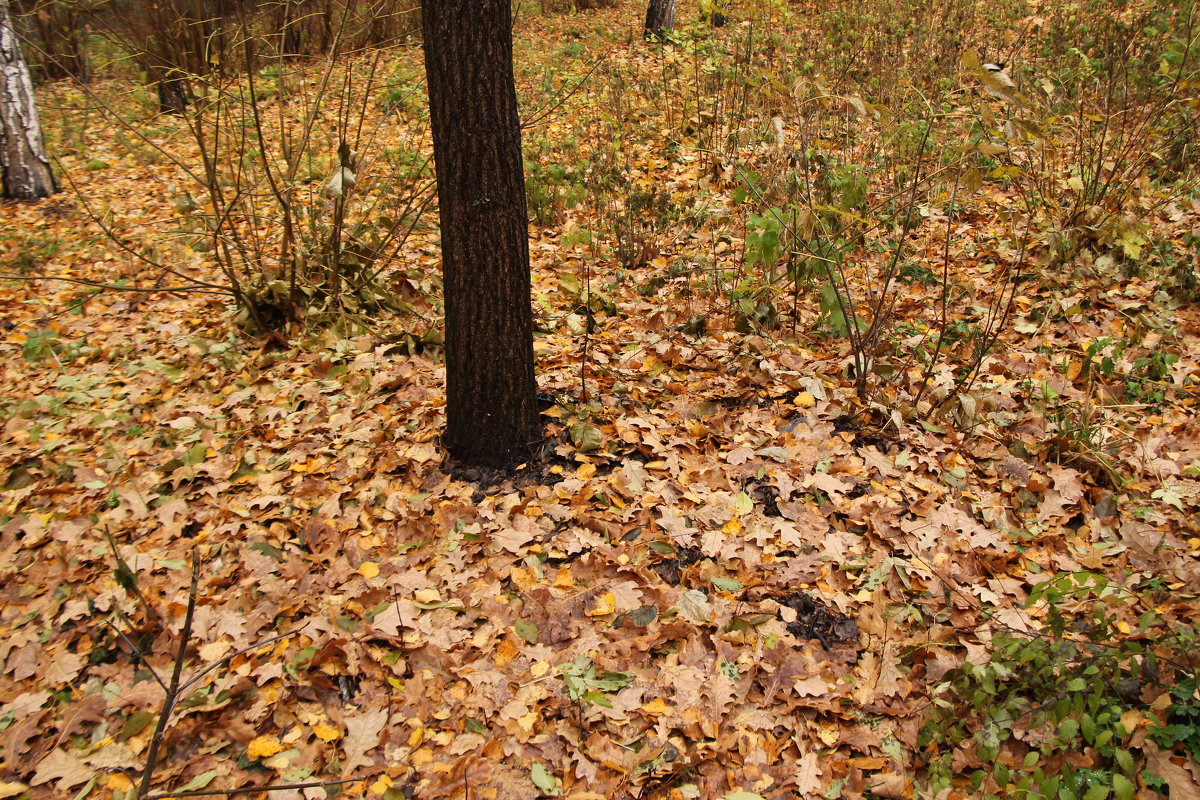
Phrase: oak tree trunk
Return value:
(491, 407)
(660, 19)
(26, 169)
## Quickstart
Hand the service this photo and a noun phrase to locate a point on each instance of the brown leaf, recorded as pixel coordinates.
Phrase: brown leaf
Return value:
(362, 736)
(62, 669)
(25, 704)
(88, 710)
(16, 738)
(1182, 779)
(808, 774)
(469, 772)
(63, 767)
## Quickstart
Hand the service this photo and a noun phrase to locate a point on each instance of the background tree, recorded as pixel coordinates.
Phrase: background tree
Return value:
(491, 410)
(58, 34)
(27, 174)
(660, 18)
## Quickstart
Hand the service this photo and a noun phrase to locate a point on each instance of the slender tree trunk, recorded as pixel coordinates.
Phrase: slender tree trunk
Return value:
(26, 169)
(60, 36)
(491, 407)
(660, 18)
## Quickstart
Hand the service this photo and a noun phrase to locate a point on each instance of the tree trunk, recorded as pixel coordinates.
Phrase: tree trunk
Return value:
(660, 19)
(26, 169)
(172, 96)
(60, 38)
(491, 406)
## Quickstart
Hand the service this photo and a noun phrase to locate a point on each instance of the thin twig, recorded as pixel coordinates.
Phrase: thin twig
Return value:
(138, 654)
(176, 674)
(271, 787)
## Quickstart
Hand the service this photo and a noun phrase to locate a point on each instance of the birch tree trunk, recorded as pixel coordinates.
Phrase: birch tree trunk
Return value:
(660, 18)
(26, 170)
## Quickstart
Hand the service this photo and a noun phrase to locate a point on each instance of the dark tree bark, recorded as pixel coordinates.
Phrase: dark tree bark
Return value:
(660, 18)
(717, 16)
(26, 169)
(58, 29)
(172, 96)
(491, 406)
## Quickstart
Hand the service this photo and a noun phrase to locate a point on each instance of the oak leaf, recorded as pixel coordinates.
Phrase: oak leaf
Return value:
(63, 767)
(362, 736)
(808, 774)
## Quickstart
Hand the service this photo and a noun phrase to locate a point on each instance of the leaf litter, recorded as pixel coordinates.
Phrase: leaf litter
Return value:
(718, 577)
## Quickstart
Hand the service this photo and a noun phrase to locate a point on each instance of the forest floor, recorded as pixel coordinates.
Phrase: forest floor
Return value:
(729, 573)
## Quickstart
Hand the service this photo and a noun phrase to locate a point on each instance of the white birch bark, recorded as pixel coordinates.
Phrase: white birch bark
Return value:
(26, 170)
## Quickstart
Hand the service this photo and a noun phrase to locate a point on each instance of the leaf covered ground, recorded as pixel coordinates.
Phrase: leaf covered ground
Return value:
(728, 572)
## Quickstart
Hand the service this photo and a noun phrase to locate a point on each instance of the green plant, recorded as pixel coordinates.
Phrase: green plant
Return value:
(1053, 714)
(32, 252)
(39, 344)
(1182, 725)
(551, 188)
(585, 686)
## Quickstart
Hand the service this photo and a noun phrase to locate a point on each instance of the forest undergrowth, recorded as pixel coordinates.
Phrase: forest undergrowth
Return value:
(868, 345)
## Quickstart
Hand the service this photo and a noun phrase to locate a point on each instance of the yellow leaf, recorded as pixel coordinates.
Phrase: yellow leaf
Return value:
(506, 651)
(1132, 719)
(805, 400)
(263, 747)
(116, 781)
(416, 737)
(381, 785)
(605, 604)
(13, 788)
(325, 732)
(368, 569)
(655, 706)
(828, 734)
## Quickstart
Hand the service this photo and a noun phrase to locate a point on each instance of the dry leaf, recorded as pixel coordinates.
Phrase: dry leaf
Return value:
(362, 736)
(64, 767)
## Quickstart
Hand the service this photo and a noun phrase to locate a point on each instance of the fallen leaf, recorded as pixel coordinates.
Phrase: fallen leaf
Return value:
(362, 736)
(12, 788)
(263, 747)
(694, 605)
(64, 767)
(808, 774)
(325, 732)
